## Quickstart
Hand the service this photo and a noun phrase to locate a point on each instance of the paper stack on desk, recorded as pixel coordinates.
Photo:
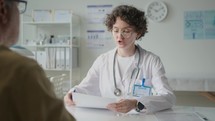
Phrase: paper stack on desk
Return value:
(90, 101)
(177, 116)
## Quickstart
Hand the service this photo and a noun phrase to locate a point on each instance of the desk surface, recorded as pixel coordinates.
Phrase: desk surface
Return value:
(88, 114)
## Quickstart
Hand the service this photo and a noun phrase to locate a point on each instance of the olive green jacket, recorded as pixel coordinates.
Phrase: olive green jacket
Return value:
(25, 92)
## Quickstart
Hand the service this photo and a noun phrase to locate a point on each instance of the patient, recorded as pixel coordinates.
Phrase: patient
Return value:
(25, 92)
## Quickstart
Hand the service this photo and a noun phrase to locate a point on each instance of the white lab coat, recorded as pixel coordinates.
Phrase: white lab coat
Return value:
(99, 80)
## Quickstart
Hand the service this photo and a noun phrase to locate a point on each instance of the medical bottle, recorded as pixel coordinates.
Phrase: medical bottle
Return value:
(51, 39)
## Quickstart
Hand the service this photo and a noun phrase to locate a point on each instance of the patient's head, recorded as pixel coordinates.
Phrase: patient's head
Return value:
(9, 21)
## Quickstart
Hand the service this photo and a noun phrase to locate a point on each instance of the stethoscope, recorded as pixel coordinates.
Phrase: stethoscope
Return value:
(117, 91)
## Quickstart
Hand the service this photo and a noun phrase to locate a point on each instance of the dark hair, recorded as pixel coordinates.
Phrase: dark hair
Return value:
(131, 16)
(8, 3)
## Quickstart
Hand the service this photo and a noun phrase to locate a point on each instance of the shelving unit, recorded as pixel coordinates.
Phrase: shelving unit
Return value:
(54, 44)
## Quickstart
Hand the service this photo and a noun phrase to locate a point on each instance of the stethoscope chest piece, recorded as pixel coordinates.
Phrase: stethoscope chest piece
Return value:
(117, 92)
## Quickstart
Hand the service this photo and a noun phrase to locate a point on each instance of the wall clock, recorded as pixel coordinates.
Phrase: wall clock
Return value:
(156, 11)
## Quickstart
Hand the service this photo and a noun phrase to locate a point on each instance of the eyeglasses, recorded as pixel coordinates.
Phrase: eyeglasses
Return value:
(126, 33)
(22, 5)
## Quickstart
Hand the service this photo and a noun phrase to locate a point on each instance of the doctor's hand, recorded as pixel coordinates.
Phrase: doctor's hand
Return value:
(123, 106)
(68, 99)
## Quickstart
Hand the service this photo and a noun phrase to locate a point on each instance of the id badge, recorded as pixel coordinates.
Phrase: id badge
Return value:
(140, 90)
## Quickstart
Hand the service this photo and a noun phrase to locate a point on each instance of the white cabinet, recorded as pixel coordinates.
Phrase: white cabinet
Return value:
(54, 44)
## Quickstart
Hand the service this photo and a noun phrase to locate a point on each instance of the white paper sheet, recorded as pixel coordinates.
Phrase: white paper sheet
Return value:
(90, 101)
(178, 117)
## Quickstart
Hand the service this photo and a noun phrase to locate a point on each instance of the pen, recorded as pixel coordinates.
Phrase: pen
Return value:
(202, 116)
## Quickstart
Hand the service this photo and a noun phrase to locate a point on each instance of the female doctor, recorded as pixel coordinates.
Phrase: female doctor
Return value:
(128, 71)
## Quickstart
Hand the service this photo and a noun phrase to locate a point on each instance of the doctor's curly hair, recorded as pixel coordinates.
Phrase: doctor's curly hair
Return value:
(131, 16)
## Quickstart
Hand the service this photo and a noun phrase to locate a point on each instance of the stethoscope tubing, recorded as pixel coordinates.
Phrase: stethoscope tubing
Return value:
(117, 91)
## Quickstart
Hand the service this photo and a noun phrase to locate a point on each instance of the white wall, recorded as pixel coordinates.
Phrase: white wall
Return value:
(182, 58)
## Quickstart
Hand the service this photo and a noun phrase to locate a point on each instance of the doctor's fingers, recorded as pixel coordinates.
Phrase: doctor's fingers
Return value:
(123, 108)
(117, 107)
(130, 103)
(125, 105)
(68, 99)
(112, 107)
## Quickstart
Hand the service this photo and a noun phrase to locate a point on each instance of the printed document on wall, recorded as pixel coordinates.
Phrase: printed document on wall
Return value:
(199, 25)
(97, 13)
(96, 38)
